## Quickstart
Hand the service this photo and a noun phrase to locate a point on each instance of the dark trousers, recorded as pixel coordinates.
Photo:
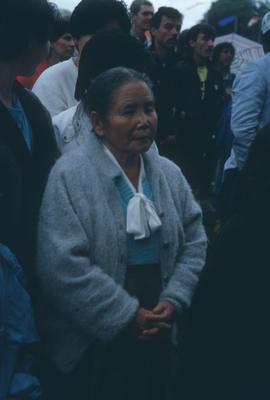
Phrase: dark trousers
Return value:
(198, 166)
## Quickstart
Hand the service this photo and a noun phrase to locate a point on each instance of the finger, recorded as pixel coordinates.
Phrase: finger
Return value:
(164, 315)
(149, 332)
(164, 325)
(159, 308)
(153, 317)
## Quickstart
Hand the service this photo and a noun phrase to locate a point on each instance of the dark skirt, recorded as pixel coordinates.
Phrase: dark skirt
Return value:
(126, 368)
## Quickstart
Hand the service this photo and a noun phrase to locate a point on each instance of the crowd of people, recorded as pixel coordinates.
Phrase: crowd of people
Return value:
(124, 145)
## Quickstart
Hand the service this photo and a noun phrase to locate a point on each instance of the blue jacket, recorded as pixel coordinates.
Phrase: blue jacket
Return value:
(250, 108)
(18, 336)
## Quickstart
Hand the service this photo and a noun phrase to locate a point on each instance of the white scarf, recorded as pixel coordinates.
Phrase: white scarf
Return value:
(142, 218)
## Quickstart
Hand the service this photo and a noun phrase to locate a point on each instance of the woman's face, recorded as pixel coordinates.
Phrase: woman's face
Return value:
(226, 57)
(130, 126)
(64, 46)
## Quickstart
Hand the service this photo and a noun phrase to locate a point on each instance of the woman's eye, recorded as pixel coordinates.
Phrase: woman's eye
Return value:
(128, 111)
(149, 109)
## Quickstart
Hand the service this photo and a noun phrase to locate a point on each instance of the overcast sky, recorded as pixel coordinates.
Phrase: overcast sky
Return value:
(193, 10)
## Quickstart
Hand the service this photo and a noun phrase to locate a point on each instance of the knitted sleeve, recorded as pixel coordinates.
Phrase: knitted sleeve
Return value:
(77, 288)
(191, 255)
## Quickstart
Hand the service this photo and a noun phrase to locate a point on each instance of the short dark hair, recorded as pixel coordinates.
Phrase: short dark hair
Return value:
(206, 29)
(22, 21)
(168, 12)
(108, 50)
(61, 25)
(136, 5)
(100, 95)
(221, 47)
(91, 15)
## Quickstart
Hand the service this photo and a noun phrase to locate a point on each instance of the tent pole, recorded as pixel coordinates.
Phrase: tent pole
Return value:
(236, 25)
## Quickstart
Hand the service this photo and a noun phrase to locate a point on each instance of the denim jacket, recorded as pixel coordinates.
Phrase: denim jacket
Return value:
(18, 336)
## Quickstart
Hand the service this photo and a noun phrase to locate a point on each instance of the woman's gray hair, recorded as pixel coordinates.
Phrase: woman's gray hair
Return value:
(100, 95)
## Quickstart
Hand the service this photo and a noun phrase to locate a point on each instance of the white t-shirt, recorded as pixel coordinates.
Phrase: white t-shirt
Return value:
(56, 86)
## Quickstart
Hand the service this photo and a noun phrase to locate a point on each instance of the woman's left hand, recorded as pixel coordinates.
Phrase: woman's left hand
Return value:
(165, 310)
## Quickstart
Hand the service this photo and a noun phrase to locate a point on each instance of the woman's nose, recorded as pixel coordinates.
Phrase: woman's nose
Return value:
(143, 119)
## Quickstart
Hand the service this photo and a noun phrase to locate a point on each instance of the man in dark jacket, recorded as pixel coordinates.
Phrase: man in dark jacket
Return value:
(198, 90)
(27, 144)
(165, 28)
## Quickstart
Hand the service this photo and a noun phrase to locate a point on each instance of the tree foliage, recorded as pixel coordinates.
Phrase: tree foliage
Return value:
(243, 9)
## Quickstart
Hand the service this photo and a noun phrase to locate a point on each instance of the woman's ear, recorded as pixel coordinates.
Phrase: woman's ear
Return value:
(97, 124)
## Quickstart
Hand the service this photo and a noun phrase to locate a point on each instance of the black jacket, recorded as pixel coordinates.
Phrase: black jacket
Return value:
(226, 346)
(23, 175)
(201, 116)
(162, 78)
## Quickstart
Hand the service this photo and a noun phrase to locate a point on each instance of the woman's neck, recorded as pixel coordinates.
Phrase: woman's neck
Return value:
(132, 170)
(7, 77)
(130, 163)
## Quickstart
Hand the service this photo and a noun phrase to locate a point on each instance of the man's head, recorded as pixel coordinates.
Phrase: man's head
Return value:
(62, 42)
(61, 25)
(200, 39)
(265, 29)
(92, 16)
(117, 49)
(165, 28)
(141, 12)
(24, 23)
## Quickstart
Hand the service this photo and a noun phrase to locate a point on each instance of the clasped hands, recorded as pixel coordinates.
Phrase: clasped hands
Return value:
(150, 322)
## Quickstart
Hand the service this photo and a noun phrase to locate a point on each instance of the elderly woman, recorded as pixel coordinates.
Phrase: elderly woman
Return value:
(120, 248)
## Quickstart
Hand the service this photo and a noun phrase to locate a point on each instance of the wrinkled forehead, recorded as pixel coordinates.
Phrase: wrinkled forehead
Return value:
(127, 94)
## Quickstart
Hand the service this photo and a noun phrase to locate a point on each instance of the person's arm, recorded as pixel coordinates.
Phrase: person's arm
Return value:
(74, 285)
(248, 97)
(191, 257)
